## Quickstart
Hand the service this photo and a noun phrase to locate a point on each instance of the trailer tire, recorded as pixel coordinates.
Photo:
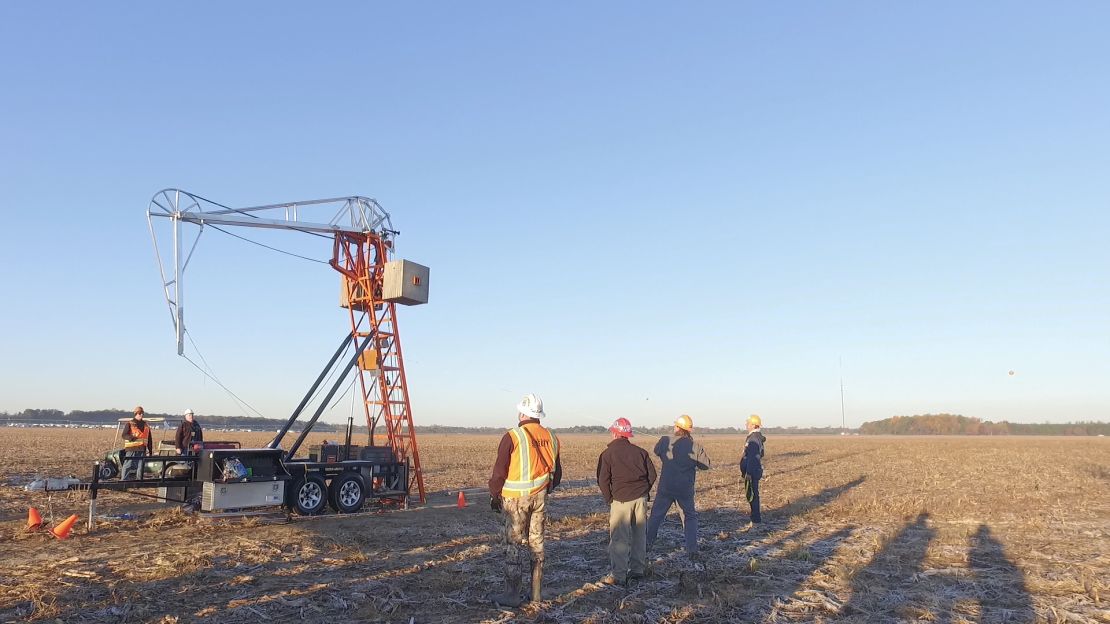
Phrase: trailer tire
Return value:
(308, 496)
(347, 492)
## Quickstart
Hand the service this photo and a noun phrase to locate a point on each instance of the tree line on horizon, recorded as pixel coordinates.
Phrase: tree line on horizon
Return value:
(111, 416)
(955, 424)
(922, 424)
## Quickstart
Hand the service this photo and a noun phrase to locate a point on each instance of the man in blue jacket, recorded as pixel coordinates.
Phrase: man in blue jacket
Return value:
(681, 457)
(751, 466)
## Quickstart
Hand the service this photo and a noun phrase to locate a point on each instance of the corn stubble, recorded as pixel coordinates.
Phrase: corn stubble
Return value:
(857, 529)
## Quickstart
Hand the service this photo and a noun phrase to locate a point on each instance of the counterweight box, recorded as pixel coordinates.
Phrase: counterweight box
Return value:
(405, 282)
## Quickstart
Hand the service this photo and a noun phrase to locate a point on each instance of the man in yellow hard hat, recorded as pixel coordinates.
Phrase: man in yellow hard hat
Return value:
(681, 457)
(751, 465)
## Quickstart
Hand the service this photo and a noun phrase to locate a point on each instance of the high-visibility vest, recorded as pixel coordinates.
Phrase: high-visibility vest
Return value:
(138, 436)
(535, 450)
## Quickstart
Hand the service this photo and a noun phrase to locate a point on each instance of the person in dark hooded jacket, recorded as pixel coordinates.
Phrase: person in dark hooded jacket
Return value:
(751, 466)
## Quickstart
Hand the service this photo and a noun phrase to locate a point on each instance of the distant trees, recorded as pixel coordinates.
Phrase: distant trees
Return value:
(954, 424)
(922, 424)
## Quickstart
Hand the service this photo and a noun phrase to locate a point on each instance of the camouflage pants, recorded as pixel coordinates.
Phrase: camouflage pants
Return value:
(524, 519)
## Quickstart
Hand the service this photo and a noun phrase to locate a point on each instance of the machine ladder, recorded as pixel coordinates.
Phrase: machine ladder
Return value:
(361, 259)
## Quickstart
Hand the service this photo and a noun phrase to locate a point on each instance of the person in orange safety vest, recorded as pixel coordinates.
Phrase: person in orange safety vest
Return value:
(138, 441)
(527, 468)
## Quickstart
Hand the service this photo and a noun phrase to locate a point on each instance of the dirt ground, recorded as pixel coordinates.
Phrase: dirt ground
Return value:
(857, 529)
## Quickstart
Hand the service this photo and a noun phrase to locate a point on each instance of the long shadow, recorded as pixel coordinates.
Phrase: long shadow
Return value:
(825, 548)
(792, 454)
(723, 584)
(804, 505)
(877, 590)
(999, 585)
(810, 465)
(386, 584)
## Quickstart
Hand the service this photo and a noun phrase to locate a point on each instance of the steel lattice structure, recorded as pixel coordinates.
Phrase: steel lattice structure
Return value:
(362, 235)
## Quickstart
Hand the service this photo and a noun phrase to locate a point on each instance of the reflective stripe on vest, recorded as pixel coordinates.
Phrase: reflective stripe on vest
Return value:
(530, 467)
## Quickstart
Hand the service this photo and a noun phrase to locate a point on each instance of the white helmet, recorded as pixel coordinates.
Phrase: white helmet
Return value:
(188, 412)
(531, 406)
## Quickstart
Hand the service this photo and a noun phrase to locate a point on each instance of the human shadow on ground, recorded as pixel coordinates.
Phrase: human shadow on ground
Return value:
(730, 583)
(894, 583)
(995, 584)
(792, 454)
(370, 568)
(877, 590)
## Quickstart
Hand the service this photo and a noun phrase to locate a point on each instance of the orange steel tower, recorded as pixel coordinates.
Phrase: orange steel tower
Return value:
(373, 285)
(363, 258)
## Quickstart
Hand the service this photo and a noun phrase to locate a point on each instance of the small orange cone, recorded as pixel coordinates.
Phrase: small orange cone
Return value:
(34, 520)
(462, 499)
(62, 530)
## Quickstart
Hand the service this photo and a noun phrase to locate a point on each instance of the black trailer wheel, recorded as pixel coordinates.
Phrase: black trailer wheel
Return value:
(347, 492)
(308, 495)
(108, 470)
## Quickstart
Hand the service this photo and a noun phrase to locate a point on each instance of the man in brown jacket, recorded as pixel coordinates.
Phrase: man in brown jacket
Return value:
(625, 475)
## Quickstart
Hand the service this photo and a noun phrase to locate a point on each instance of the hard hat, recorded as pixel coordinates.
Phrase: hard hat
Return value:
(755, 420)
(531, 406)
(139, 409)
(684, 422)
(188, 412)
(622, 427)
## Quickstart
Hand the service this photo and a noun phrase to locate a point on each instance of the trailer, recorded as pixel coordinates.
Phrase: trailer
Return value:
(223, 476)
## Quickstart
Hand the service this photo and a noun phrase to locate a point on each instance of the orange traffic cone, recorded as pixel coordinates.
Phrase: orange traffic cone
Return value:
(62, 530)
(34, 520)
(462, 499)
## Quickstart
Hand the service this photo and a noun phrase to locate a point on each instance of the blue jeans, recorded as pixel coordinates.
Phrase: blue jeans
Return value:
(686, 514)
(131, 465)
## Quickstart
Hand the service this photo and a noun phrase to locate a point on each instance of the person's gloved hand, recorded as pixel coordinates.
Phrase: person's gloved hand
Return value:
(495, 502)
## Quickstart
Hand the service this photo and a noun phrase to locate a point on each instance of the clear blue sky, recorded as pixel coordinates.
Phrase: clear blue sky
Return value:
(632, 209)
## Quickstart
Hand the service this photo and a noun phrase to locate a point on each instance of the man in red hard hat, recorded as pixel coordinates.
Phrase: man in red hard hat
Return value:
(625, 475)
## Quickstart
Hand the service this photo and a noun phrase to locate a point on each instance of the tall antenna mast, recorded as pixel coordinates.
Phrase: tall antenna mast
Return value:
(843, 423)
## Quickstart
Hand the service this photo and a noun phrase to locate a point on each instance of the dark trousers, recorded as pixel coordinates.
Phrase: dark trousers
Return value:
(751, 492)
(686, 513)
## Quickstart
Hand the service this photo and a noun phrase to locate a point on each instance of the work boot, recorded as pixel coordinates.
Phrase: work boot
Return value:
(537, 581)
(510, 597)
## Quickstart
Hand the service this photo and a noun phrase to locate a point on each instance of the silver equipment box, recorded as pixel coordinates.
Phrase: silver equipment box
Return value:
(405, 282)
(220, 496)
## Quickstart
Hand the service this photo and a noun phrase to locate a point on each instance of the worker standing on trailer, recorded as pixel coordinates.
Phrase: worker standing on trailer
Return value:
(138, 441)
(681, 457)
(527, 468)
(751, 466)
(625, 475)
(189, 435)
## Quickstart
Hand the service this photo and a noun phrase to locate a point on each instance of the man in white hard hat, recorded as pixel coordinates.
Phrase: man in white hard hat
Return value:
(681, 457)
(189, 435)
(527, 468)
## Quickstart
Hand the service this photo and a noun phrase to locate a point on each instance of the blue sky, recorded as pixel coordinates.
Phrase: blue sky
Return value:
(631, 209)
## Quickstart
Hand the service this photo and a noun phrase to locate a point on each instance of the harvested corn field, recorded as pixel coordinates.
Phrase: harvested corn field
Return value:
(856, 529)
